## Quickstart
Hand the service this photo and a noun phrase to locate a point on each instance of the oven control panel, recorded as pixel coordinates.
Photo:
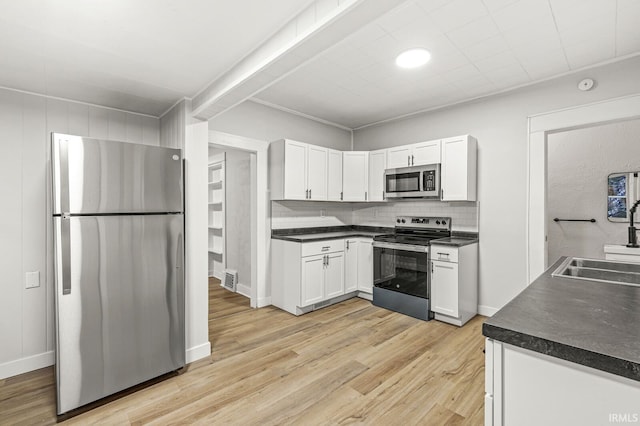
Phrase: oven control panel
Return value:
(423, 222)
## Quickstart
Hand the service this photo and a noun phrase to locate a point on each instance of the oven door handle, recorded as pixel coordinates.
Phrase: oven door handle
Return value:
(401, 247)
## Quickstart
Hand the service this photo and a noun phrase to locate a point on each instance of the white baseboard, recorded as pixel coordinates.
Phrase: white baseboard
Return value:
(244, 290)
(218, 275)
(487, 311)
(198, 352)
(265, 301)
(24, 365)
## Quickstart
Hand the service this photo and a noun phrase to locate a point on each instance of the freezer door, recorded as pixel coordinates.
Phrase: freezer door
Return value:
(119, 303)
(97, 176)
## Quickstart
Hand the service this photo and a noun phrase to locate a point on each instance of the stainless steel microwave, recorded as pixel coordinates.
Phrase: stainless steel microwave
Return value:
(413, 182)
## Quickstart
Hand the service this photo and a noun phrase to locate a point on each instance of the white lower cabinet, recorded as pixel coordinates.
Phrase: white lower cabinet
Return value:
(312, 283)
(525, 388)
(334, 275)
(365, 265)
(359, 265)
(304, 274)
(454, 283)
(444, 288)
(351, 265)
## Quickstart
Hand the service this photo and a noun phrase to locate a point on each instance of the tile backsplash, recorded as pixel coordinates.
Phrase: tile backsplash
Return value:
(309, 214)
(306, 214)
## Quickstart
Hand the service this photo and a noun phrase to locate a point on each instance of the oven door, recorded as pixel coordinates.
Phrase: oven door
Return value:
(402, 268)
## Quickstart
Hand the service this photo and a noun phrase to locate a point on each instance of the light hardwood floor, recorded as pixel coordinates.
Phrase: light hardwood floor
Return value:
(347, 363)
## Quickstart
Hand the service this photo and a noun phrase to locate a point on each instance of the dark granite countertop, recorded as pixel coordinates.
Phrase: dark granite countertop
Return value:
(305, 235)
(455, 241)
(587, 322)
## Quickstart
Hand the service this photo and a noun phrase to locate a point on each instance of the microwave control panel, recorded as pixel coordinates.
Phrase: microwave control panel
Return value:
(429, 180)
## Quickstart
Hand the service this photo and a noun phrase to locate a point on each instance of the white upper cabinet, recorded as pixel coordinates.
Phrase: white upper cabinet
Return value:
(416, 154)
(425, 153)
(297, 171)
(317, 172)
(355, 175)
(399, 156)
(301, 171)
(377, 165)
(334, 176)
(459, 165)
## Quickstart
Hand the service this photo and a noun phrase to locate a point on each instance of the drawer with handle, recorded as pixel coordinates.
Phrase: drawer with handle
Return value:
(322, 247)
(444, 253)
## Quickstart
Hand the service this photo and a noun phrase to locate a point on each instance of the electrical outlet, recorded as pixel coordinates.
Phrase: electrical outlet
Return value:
(323, 213)
(32, 279)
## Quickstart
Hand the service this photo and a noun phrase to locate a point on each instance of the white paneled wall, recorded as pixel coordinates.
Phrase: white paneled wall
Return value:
(304, 214)
(26, 122)
(173, 125)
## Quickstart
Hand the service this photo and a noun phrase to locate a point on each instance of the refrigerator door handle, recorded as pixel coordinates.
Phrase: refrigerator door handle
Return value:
(63, 188)
(65, 252)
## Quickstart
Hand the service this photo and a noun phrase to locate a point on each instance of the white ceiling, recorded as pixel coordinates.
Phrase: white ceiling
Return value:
(137, 55)
(478, 47)
(144, 55)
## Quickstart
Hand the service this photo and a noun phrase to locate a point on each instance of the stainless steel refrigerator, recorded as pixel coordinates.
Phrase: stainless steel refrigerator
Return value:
(118, 228)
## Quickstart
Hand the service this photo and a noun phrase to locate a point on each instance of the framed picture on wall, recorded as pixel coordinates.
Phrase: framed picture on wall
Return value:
(620, 190)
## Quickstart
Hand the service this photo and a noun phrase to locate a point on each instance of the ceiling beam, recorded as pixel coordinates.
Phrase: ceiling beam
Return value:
(319, 27)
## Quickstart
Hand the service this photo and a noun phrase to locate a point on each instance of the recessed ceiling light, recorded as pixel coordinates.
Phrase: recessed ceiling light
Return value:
(413, 58)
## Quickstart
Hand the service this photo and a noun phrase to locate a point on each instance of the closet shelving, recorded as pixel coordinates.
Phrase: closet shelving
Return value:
(216, 218)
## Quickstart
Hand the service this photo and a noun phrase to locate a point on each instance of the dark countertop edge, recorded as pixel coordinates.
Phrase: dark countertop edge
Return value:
(326, 229)
(458, 243)
(606, 363)
(464, 234)
(297, 239)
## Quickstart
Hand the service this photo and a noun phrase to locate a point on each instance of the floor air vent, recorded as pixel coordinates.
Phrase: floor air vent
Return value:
(230, 279)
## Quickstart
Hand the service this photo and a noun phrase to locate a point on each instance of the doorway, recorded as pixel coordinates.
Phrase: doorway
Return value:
(580, 164)
(540, 126)
(229, 217)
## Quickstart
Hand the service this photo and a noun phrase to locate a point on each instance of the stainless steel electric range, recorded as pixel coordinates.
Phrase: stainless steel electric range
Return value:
(401, 265)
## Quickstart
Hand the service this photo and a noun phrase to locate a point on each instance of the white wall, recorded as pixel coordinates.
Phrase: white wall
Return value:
(253, 120)
(578, 164)
(500, 124)
(26, 123)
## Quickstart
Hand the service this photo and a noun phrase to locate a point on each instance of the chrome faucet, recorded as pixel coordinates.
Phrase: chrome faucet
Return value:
(633, 237)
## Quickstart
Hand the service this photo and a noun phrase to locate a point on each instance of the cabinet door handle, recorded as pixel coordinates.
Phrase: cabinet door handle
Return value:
(341, 196)
(412, 162)
(347, 244)
(365, 195)
(327, 260)
(325, 248)
(309, 194)
(408, 160)
(432, 267)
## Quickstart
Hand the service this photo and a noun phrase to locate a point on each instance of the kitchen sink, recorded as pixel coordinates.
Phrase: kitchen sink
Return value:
(599, 270)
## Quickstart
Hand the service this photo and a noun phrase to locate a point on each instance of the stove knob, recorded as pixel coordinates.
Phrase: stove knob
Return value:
(398, 220)
(444, 223)
(403, 221)
(438, 222)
